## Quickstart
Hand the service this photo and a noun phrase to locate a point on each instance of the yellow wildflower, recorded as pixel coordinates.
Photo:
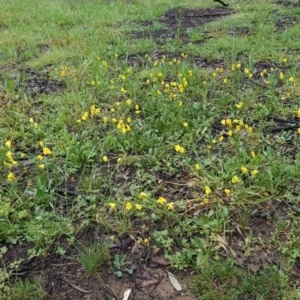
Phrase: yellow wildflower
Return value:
(229, 133)
(11, 177)
(40, 157)
(85, 116)
(298, 130)
(161, 200)
(244, 170)
(239, 105)
(207, 190)
(205, 201)
(179, 149)
(142, 195)
(227, 192)
(41, 166)
(138, 206)
(235, 179)
(105, 158)
(253, 154)
(185, 124)
(8, 144)
(170, 206)
(197, 167)
(94, 111)
(128, 206)
(112, 205)
(281, 75)
(253, 172)
(147, 241)
(46, 151)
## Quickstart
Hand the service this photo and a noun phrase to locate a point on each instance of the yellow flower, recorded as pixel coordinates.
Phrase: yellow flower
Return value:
(138, 206)
(281, 76)
(227, 192)
(170, 206)
(253, 154)
(112, 205)
(41, 166)
(128, 206)
(85, 116)
(9, 155)
(46, 151)
(180, 103)
(244, 170)
(179, 149)
(129, 102)
(40, 157)
(147, 241)
(235, 179)
(291, 79)
(119, 160)
(253, 172)
(207, 190)
(142, 195)
(161, 200)
(7, 164)
(8, 144)
(298, 130)
(225, 81)
(197, 167)
(205, 201)
(11, 177)
(229, 133)
(185, 124)
(94, 111)
(239, 105)
(105, 158)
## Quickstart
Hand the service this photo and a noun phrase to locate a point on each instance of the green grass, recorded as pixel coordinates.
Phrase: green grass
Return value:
(179, 154)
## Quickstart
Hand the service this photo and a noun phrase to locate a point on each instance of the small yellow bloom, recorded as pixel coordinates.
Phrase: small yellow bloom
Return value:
(227, 192)
(180, 103)
(170, 206)
(8, 144)
(207, 190)
(239, 105)
(185, 124)
(9, 155)
(85, 116)
(197, 167)
(142, 195)
(94, 111)
(225, 81)
(235, 179)
(40, 157)
(253, 172)
(128, 206)
(281, 75)
(11, 177)
(7, 164)
(112, 205)
(298, 130)
(105, 158)
(244, 170)
(253, 154)
(229, 133)
(119, 160)
(138, 206)
(161, 200)
(291, 79)
(205, 201)
(41, 166)
(147, 241)
(128, 102)
(46, 151)
(179, 149)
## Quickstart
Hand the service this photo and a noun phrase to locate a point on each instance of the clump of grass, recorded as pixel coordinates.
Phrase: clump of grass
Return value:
(93, 257)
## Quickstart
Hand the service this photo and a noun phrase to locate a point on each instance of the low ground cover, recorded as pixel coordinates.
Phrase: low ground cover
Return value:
(142, 138)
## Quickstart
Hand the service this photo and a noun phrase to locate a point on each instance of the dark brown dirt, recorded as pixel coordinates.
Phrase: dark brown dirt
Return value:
(176, 22)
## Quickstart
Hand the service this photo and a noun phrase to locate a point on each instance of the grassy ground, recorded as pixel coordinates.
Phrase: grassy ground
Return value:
(139, 119)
